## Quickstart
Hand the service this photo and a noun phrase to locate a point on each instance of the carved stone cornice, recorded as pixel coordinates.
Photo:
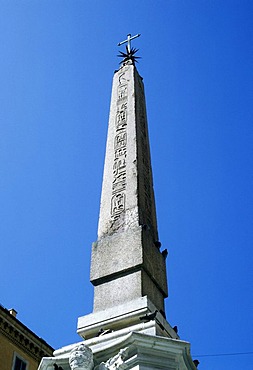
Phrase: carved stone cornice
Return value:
(23, 337)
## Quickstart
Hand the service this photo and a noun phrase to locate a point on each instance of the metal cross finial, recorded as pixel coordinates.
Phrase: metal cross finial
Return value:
(128, 40)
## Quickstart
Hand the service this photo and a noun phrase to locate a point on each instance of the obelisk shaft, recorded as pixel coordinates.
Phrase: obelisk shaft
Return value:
(127, 199)
(126, 261)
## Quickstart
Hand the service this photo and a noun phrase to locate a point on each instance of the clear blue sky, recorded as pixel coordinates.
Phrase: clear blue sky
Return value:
(56, 66)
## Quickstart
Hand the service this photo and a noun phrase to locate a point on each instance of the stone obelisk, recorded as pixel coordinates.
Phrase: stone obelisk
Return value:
(128, 270)
(127, 329)
(126, 260)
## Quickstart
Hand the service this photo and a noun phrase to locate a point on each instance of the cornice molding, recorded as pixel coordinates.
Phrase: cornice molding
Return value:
(25, 341)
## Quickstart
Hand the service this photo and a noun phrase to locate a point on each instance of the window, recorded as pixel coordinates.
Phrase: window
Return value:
(19, 363)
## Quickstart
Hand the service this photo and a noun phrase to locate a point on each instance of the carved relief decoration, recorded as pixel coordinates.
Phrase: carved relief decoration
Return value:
(81, 358)
(121, 216)
(118, 201)
(116, 362)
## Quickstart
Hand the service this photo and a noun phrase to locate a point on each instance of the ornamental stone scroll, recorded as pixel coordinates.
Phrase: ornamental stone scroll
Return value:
(81, 358)
(115, 363)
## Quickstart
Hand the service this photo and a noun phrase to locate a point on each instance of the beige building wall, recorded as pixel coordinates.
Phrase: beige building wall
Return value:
(8, 350)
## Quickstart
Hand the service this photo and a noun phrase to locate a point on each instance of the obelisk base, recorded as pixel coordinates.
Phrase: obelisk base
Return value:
(125, 318)
(131, 351)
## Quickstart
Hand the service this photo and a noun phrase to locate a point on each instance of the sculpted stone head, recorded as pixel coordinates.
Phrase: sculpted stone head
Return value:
(81, 358)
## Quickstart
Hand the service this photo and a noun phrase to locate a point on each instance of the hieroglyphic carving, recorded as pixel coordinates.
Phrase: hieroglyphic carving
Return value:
(121, 216)
(118, 200)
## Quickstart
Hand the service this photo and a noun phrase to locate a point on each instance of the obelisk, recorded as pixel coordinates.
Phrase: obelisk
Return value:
(127, 266)
(127, 329)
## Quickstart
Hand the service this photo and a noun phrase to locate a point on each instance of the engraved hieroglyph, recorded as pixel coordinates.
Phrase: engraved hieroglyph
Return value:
(127, 196)
(118, 200)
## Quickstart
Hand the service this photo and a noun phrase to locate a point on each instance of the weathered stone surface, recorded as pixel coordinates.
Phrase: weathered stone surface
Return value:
(124, 253)
(135, 269)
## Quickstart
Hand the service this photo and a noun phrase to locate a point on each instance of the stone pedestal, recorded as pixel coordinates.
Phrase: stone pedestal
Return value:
(133, 350)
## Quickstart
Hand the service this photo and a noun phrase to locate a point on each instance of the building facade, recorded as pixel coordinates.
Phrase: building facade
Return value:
(20, 348)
